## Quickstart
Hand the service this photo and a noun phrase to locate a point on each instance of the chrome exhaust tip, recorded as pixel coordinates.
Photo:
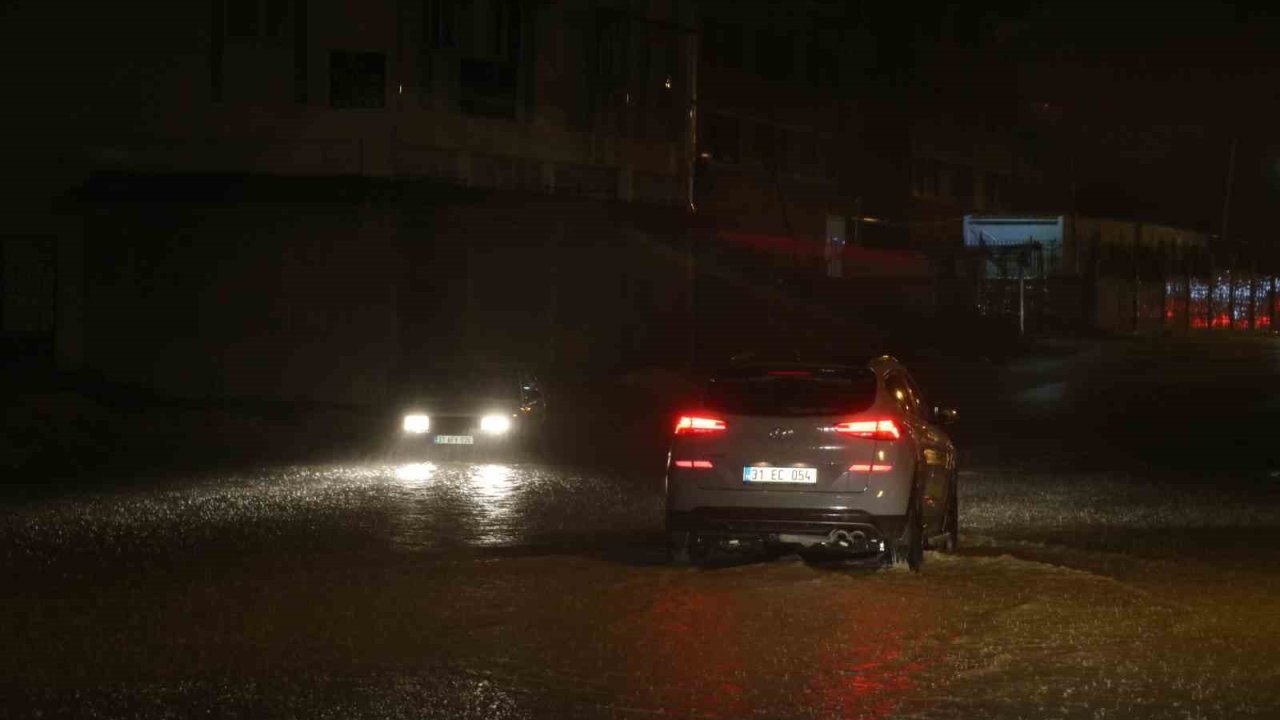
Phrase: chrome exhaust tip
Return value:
(843, 539)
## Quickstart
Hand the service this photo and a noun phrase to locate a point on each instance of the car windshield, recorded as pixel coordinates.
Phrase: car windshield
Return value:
(792, 392)
(464, 382)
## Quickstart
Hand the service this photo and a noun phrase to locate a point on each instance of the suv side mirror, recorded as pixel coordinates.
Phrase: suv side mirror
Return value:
(532, 396)
(945, 415)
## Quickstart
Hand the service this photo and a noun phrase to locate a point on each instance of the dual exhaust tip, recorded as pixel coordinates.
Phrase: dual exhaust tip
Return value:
(856, 541)
(845, 540)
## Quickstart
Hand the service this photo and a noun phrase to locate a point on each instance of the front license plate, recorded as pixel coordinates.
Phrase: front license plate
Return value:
(808, 476)
(455, 440)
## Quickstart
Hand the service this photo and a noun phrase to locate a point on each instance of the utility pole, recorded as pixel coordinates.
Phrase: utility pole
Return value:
(1253, 296)
(1226, 226)
(1226, 199)
(691, 124)
(1271, 305)
(857, 221)
(691, 289)
(1022, 300)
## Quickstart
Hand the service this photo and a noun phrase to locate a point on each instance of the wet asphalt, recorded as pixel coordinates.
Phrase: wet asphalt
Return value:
(1120, 558)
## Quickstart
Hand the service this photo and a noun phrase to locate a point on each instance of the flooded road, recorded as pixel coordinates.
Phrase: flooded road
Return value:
(486, 590)
(524, 590)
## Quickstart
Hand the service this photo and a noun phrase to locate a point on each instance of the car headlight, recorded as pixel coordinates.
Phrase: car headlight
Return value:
(417, 424)
(495, 424)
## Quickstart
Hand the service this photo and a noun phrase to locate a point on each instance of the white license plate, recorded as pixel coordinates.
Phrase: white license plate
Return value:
(807, 476)
(455, 440)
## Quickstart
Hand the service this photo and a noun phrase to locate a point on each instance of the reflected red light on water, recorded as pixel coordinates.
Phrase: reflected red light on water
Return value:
(853, 686)
(692, 657)
(862, 672)
(719, 646)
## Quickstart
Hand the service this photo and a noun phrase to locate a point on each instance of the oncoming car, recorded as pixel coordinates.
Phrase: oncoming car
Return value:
(471, 408)
(845, 458)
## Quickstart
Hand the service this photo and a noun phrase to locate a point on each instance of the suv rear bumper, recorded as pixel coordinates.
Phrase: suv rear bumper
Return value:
(779, 521)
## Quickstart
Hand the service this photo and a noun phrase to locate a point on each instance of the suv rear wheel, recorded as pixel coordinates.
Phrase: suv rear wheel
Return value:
(909, 548)
(952, 522)
(678, 548)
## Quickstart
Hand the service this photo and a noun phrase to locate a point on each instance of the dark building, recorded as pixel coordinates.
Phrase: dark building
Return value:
(293, 198)
(302, 198)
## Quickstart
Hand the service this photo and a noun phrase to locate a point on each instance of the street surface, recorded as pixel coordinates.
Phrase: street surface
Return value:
(1120, 558)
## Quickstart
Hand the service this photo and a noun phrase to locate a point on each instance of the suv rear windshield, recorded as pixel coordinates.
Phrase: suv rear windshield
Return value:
(792, 392)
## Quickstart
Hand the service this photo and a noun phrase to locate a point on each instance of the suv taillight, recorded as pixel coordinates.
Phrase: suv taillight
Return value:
(698, 424)
(870, 429)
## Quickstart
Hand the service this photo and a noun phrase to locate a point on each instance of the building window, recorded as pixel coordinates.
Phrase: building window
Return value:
(259, 19)
(441, 23)
(242, 18)
(993, 188)
(357, 79)
(770, 145)
(926, 179)
(822, 66)
(946, 187)
(775, 55)
(722, 43)
(964, 185)
(613, 53)
(488, 73)
(276, 18)
(505, 30)
(803, 158)
(721, 138)
(487, 88)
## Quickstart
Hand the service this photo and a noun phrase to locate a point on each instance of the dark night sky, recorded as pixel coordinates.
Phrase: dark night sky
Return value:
(1147, 97)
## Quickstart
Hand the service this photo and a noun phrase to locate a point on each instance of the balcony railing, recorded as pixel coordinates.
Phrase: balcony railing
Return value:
(404, 160)
(507, 172)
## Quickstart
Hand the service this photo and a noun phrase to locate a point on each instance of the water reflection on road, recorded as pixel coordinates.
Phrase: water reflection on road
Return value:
(438, 505)
(480, 590)
(776, 638)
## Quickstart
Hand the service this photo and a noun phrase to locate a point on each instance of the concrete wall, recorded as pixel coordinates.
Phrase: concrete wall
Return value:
(332, 300)
(557, 282)
(287, 301)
